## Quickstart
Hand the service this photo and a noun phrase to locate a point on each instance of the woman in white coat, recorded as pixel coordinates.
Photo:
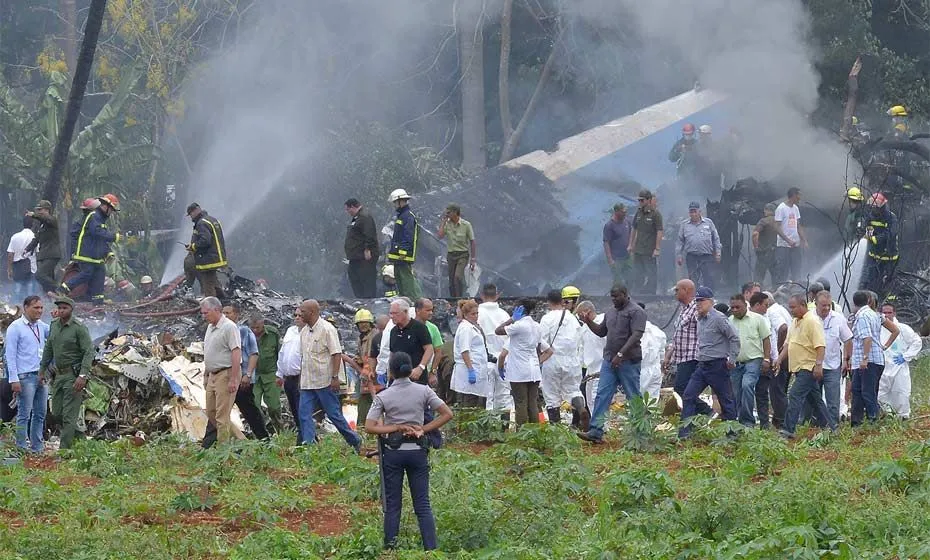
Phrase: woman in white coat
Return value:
(470, 374)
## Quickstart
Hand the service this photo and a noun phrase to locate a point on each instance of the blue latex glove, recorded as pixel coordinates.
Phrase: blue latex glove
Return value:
(472, 376)
(518, 313)
(382, 379)
(501, 373)
(898, 359)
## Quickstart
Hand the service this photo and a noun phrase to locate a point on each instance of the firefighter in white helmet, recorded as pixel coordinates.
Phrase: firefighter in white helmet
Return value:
(403, 251)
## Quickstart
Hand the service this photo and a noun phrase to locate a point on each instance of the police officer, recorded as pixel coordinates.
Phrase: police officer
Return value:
(208, 251)
(882, 232)
(403, 252)
(396, 416)
(92, 248)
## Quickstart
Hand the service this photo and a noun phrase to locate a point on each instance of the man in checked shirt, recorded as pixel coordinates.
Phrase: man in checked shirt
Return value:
(684, 347)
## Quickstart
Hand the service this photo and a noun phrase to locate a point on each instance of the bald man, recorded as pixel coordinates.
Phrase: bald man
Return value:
(321, 362)
(683, 350)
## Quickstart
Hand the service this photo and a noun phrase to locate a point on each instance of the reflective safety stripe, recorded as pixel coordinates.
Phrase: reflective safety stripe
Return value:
(882, 257)
(219, 251)
(80, 242)
(878, 224)
(391, 293)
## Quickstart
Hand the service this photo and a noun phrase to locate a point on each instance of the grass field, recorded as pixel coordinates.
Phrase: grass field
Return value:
(538, 494)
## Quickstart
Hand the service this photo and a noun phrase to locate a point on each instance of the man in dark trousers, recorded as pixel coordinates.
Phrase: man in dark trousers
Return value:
(92, 248)
(208, 248)
(361, 248)
(49, 246)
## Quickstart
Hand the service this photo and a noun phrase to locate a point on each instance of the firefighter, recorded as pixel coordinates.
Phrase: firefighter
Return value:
(208, 249)
(403, 252)
(88, 206)
(882, 233)
(855, 220)
(682, 152)
(387, 278)
(92, 248)
(899, 115)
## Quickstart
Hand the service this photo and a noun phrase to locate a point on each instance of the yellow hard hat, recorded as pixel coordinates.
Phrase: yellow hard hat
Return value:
(853, 193)
(364, 316)
(571, 292)
(855, 120)
(897, 111)
(900, 127)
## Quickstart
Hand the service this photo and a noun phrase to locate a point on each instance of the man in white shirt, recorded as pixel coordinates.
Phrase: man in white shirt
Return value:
(791, 238)
(288, 372)
(21, 265)
(490, 315)
(839, 344)
(779, 319)
(561, 374)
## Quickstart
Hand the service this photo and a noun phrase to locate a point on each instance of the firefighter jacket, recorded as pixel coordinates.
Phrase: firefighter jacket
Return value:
(404, 242)
(883, 239)
(92, 242)
(208, 244)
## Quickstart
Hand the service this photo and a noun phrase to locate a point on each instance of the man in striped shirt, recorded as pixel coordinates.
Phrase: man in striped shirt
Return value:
(684, 347)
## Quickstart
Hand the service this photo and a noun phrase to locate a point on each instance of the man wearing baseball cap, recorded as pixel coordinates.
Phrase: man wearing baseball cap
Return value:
(70, 348)
(718, 347)
(698, 246)
(645, 243)
(46, 240)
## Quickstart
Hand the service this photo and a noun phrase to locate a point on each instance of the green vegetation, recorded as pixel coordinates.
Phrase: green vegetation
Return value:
(539, 494)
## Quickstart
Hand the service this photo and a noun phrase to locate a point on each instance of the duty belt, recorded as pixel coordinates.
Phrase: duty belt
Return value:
(882, 257)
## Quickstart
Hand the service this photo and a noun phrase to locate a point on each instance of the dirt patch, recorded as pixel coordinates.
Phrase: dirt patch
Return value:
(82, 481)
(12, 519)
(673, 466)
(284, 475)
(326, 521)
(41, 462)
(479, 447)
(759, 478)
(322, 492)
(825, 456)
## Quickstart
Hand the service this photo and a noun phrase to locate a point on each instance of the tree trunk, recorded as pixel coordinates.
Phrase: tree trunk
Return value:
(503, 75)
(471, 44)
(69, 33)
(510, 146)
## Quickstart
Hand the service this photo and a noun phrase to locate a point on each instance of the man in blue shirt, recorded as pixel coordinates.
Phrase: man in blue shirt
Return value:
(25, 341)
(868, 357)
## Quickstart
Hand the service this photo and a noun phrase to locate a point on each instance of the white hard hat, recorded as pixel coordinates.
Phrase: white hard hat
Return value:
(398, 194)
(705, 129)
(145, 280)
(388, 271)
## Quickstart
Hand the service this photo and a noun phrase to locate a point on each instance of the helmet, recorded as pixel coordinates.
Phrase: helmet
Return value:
(571, 292)
(398, 194)
(145, 280)
(111, 200)
(705, 129)
(90, 204)
(853, 193)
(122, 284)
(897, 111)
(388, 271)
(900, 127)
(688, 129)
(364, 316)
(878, 200)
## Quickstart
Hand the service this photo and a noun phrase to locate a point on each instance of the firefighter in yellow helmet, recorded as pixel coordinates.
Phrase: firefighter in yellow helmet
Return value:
(365, 323)
(855, 220)
(899, 116)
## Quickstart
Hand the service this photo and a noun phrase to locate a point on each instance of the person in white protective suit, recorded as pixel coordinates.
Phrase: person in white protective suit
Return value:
(894, 386)
(653, 343)
(490, 315)
(561, 374)
(592, 353)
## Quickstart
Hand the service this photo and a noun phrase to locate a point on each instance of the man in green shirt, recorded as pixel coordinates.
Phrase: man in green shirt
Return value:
(645, 242)
(424, 312)
(460, 247)
(70, 347)
(754, 358)
(265, 384)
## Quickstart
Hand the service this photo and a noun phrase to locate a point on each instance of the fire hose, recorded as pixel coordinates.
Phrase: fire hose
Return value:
(144, 315)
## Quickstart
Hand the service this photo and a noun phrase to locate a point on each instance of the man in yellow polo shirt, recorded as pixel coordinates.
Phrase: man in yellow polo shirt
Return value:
(460, 247)
(805, 349)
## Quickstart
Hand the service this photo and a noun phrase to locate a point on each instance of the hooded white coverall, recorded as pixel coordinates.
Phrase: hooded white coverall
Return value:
(561, 374)
(650, 373)
(894, 387)
(592, 356)
(491, 316)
